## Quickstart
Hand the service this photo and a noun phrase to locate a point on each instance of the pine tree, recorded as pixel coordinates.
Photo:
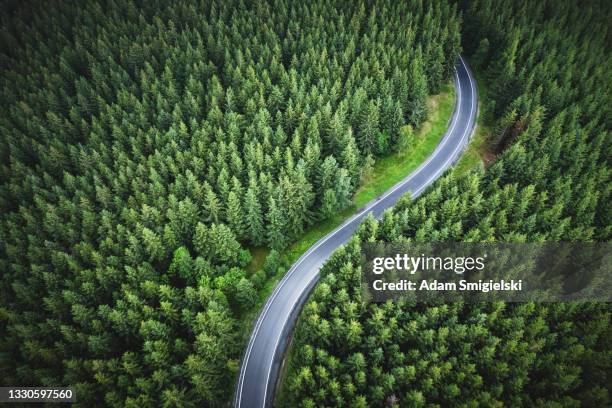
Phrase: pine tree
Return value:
(369, 128)
(343, 189)
(245, 293)
(275, 233)
(335, 134)
(234, 214)
(417, 89)
(152, 244)
(253, 216)
(212, 206)
(350, 157)
(182, 264)
(329, 203)
(503, 70)
(327, 173)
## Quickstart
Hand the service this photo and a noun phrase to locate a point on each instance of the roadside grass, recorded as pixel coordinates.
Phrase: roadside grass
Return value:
(258, 259)
(479, 151)
(386, 172)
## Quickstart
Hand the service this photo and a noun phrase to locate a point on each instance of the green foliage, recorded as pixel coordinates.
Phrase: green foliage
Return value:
(143, 143)
(253, 216)
(546, 62)
(273, 262)
(246, 295)
(216, 243)
(405, 138)
(182, 264)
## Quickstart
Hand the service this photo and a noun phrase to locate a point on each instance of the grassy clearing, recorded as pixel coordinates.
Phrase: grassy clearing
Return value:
(258, 258)
(479, 151)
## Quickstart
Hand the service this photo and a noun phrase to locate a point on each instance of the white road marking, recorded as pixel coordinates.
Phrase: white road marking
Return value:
(461, 141)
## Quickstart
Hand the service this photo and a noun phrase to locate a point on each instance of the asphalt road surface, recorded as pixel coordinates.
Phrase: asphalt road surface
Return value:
(266, 349)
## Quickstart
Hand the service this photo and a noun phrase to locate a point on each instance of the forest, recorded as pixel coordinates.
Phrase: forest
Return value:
(547, 65)
(147, 146)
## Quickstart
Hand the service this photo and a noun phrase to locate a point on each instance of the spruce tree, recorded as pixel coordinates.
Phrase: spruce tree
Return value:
(367, 137)
(417, 89)
(253, 216)
(275, 234)
(235, 215)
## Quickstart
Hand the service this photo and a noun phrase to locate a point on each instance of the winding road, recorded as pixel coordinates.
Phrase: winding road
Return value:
(266, 349)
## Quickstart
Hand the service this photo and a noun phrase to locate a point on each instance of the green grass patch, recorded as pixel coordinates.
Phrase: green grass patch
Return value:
(479, 151)
(258, 258)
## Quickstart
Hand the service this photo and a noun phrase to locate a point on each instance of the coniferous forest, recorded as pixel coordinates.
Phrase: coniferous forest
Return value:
(547, 64)
(147, 147)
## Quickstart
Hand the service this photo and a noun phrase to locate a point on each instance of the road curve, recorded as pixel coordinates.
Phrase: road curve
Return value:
(263, 358)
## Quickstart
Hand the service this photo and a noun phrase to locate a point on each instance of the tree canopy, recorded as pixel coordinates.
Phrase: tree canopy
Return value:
(548, 66)
(145, 145)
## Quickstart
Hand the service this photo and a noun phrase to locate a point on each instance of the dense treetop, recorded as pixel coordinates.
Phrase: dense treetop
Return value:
(548, 66)
(146, 144)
